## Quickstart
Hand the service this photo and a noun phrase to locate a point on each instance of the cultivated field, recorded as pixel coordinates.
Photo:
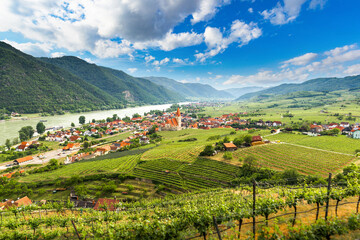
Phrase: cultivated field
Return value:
(284, 156)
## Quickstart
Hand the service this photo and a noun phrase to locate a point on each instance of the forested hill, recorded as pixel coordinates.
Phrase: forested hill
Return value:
(116, 83)
(317, 85)
(28, 85)
(196, 90)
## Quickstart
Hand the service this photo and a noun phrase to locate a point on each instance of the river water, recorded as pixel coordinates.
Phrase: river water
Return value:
(9, 129)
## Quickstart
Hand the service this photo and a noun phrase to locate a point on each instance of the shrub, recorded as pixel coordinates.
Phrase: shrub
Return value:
(228, 156)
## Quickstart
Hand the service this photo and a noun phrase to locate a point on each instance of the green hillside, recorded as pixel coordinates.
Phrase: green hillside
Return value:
(319, 85)
(193, 90)
(116, 83)
(28, 85)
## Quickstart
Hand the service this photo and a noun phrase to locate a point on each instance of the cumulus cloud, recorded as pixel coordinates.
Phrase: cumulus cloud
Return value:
(340, 61)
(301, 60)
(317, 4)
(288, 10)
(207, 9)
(178, 60)
(82, 25)
(57, 54)
(353, 70)
(35, 49)
(266, 77)
(240, 32)
(132, 70)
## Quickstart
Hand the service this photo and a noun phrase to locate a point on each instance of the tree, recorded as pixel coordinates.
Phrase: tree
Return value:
(86, 145)
(40, 128)
(82, 119)
(8, 144)
(248, 139)
(115, 117)
(26, 133)
(250, 161)
(208, 151)
(136, 115)
(238, 141)
(72, 124)
(53, 162)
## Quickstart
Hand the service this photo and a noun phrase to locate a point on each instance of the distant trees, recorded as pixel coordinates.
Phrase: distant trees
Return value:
(26, 133)
(72, 124)
(8, 144)
(82, 119)
(40, 127)
(136, 115)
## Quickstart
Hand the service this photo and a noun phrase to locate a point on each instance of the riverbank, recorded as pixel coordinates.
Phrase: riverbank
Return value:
(9, 129)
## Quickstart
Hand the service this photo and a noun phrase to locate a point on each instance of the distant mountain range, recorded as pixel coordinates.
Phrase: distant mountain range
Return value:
(316, 85)
(192, 90)
(29, 85)
(237, 92)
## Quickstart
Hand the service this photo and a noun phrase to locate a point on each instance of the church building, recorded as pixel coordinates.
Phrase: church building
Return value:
(173, 124)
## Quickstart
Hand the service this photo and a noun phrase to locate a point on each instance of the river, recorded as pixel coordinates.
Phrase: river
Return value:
(9, 129)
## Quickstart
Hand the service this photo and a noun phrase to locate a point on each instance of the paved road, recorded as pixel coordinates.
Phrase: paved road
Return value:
(54, 154)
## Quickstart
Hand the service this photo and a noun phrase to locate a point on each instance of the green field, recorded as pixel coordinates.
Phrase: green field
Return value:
(304, 160)
(340, 143)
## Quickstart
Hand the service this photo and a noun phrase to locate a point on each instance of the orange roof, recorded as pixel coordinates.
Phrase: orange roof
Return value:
(25, 201)
(178, 112)
(230, 145)
(24, 159)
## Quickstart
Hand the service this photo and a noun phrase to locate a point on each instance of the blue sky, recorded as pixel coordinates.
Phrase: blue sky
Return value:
(225, 43)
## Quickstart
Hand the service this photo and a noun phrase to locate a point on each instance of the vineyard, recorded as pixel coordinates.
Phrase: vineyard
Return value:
(123, 165)
(341, 143)
(200, 174)
(182, 152)
(306, 161)
(218, 213)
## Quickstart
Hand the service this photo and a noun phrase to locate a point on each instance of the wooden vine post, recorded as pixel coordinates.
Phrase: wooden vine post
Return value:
(216, 227)
(254, 205)
(328, 197)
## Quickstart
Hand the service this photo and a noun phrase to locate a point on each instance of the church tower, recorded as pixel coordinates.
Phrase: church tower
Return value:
(178, 119)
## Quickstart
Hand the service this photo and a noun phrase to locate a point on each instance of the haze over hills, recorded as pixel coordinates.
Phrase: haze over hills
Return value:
(237, 92)
(194, 90)
(317, 85)
(30, 85)
(115, 82)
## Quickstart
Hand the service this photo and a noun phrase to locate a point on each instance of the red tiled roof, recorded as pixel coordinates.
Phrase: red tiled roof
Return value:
(229, 145)
(24, 159)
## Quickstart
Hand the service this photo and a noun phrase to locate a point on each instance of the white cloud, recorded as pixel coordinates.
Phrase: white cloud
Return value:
(178, 60)
(240, 32)
(317, 3)
(197, 79)
(207, 9)
(82, 25)
(164, 61)
(353, 70)
(110, 49)
(289, 10)
(250, 10)
(184, 81)
(339, 50)
(185, 39)
(57, 54)
(340, 61)
(266, 77)
(132, 70)
(149, 58)
(301, 60)
(35, 49)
